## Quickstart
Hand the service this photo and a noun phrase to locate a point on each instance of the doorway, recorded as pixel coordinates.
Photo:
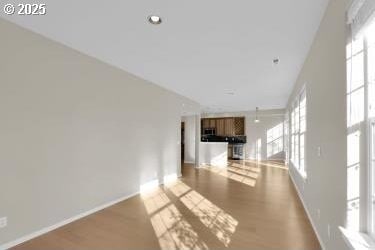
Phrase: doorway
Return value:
(182, 142)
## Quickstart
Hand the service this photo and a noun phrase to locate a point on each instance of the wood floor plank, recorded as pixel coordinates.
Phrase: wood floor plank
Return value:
(252, 206)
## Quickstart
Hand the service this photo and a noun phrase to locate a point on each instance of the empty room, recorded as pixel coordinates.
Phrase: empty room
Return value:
(139, 125)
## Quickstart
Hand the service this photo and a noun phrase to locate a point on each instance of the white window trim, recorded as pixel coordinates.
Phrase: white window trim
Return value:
(297, 134)
(357, 240)
(286, 138)
(363, 239)
(370, 180)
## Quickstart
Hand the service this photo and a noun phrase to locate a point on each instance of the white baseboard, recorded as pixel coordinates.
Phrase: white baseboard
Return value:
(62, 223)
(307, 212)
(189, 162)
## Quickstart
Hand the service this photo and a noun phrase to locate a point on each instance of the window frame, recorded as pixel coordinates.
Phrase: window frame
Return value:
(371, 178)
(296, 133)
(286, 138)
(363, 125)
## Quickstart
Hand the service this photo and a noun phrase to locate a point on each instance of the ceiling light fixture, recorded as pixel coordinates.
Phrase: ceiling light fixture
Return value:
(256, 115)
(153, 19)
(229, 91)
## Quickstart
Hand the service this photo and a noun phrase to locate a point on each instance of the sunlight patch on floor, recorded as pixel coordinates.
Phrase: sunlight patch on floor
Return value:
(154, 201)
(172, 230)
(220, 223)
(268, 164)
(178, 188)
(227, 173)
(244, 172)
(255, 169)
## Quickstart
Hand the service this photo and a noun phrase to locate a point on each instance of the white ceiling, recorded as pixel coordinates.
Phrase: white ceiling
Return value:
(202, 50)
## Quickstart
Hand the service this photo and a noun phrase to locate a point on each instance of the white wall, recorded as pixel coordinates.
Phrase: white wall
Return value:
(324, 75)
(254, 131)
(214, 154)
(189, 139)
(75, 132)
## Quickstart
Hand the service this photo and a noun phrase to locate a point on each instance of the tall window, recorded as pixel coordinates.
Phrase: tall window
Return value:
(361, 118)
(370, 69)
(372, 166)
(298, 130)
(286, 138)
(275, 141)
(355, 95)
(302, 131)
(292, 135)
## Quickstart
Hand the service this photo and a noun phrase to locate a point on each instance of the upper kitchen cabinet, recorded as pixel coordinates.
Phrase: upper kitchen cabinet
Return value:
(224, 126)
(229, 127)
(212, 123)
(220, 127)
(239, 125)
(205, 123)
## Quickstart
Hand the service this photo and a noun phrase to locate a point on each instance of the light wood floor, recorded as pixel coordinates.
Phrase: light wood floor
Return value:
(247, 206)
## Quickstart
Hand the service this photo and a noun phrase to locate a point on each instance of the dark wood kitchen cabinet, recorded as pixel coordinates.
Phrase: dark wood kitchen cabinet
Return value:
(220, 127)
(205, 123)
(239, 125)
(212, 123)
(229, 127)
(225, 126)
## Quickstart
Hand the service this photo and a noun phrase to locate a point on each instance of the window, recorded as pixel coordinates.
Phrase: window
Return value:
(360, 96)
(370, 69)
(355, 116)
(372, 166)
(286, 138)
(293, 134)
(296, 134)
(298, 131)
(302, 131)
(275, 141)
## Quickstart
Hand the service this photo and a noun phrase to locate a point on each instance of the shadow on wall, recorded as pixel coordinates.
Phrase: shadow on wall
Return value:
(275, 142)
(272, 147)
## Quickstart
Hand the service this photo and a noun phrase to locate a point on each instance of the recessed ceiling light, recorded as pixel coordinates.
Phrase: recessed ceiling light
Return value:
(153, 19)
(276, 61)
